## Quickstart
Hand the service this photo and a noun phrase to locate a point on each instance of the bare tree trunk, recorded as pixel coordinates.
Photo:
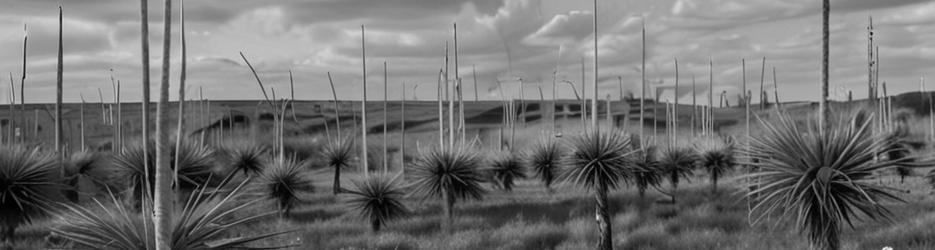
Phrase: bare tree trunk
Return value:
(603, 219)
(163, 196)
(447, 210)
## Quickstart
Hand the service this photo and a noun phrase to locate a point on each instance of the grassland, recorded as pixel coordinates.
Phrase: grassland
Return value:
(529, 217)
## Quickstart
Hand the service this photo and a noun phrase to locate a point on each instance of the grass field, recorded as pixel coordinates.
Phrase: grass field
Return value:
(530, 217)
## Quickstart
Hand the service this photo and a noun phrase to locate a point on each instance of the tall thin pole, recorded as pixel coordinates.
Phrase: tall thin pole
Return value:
(59, 149)
(620, 87)
(928, 98)
(451, 104)
(776, 89)
(11, 139)
(180, 129)
(337, 114)
(81, 120)
(119, 122)
(22, 86)
(675, 107)
(145, 68)
(386, 120)
(163, 195)
(402, 124)
(363, 104)
(711, 119)
(694, 105)
(474, 73)
(596, 76)
(458, 87)
(823, 106)
(584, 97)
(441, 114)
(643, 83)
(743, 73)
(870, 62)
(762, 81)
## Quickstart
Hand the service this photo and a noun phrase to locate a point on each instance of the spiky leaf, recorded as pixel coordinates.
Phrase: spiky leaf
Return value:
(378, 199)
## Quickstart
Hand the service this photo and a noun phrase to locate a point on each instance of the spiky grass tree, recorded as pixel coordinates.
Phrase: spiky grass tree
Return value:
(207, 221)
(29, 185)
(648, 175)
(450, 173)
(245, 156)
(339, 154)
(717, 158)
(84, 169)
(675, 164)
(284, 182)
(545, 160)
(505, 168)
(196, 165)
(899, 148)
(600, 161)
(820, 180)
(378, 199)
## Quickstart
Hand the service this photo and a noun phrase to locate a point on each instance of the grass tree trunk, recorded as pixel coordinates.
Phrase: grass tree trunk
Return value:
(337, 180)
(832, 240)
(674, 180)
(163, 195)
(448, 212)
(714, 177)
(602, 214)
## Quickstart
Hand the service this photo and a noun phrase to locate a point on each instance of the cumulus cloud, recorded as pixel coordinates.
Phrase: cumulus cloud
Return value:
(503, 40)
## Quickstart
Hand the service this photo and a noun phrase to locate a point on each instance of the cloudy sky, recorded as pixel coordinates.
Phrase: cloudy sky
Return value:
(504, 40)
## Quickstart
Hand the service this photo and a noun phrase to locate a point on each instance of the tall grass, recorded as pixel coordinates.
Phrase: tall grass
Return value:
(207, 221)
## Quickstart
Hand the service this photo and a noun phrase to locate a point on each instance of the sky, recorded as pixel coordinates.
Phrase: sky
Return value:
(513, 47)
